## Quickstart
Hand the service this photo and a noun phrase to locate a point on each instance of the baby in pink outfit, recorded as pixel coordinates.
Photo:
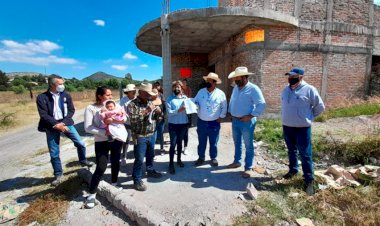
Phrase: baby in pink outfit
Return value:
(114, 111)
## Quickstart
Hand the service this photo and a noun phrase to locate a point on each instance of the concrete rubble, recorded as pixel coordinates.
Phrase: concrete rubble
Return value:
(338, 177)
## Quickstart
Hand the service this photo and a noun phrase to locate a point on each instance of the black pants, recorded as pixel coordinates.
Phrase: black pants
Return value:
(186, 137)
(102, 150)
(176, 133)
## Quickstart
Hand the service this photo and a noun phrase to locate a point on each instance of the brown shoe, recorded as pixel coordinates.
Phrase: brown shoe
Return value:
(233, 165)
(247, 174)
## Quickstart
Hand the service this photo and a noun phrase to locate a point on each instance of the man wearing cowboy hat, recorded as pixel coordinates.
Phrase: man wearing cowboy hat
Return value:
(246, 103)
(300, 104)
(130, 93)
(143, 115)
(212, 107)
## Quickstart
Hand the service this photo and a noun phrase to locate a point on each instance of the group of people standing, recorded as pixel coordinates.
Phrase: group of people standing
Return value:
(145, 108)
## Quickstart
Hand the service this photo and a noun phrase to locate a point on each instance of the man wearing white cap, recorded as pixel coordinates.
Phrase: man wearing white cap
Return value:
(300, 104)
(212, 107)
(246, 103)
(130, 93)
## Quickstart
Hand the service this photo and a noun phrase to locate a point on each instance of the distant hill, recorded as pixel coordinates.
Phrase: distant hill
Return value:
(101, 76)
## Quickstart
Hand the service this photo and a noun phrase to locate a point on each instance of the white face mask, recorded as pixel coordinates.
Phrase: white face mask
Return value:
(60, 88)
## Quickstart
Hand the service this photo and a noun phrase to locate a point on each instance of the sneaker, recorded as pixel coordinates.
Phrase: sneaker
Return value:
(309, 189)
(86, 163)
(89, 203)
(233, 165)
(199, 162)
(180, 163)
(139, 186)
(162, 151)
(184, 151)
(214, 162)
(289, 175)
(171, 168)
(117, 186)
(154, 174)
(57, 181)
(247, 174)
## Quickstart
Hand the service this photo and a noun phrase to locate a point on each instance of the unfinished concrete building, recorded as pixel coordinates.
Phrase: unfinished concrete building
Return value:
(337, 42)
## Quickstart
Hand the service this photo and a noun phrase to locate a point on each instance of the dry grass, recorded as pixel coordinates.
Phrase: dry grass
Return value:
(350, 206)
(50, 204)
(25, 111)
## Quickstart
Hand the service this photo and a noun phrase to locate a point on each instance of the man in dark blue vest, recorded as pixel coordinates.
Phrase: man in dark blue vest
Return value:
(56, 110)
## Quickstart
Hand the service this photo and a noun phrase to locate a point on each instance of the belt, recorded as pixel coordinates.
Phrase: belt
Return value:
(238, 118)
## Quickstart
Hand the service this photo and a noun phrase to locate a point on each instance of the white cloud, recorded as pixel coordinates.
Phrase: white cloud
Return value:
(100, 23)
(35, 52)
(129, 56)
(119, 67)
(144, 65)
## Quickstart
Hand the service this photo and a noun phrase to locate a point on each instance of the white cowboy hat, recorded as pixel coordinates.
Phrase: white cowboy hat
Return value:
(147, 87)
(213, 76)
(129, 87)
(239, 71)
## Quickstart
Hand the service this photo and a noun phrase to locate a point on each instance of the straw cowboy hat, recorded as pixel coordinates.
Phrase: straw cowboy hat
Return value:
(157, 101)
(147, 87)
(129, 87)
(213, 76)
(239, 71)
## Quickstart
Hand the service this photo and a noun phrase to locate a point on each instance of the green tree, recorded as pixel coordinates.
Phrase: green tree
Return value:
(3, 81)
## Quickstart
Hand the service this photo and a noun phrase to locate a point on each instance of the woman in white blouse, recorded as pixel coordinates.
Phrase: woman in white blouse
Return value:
(92, 124)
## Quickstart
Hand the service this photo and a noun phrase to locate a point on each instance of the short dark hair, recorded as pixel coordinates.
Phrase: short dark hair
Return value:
(52, 79)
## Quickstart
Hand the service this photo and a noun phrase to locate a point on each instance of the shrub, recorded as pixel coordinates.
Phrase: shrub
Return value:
(6, 119)
(20, 89)
(80, 89)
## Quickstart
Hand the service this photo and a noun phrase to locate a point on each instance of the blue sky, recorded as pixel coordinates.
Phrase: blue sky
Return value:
(76, 38)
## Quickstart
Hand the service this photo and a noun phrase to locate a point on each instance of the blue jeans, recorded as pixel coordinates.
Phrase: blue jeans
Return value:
(244, 131)
(210, 130)
(298, 141)
(53, 137)
(176, 133)
(144, 147)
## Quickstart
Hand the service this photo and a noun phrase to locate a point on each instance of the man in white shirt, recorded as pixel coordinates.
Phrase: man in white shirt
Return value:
(56, 110)
(212, 107)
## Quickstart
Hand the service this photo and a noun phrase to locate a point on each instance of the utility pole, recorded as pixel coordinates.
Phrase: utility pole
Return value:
(166, 49)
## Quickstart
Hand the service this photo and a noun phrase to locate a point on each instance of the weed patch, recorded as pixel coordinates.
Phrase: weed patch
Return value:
(349, 152)
(6, 119)
(350, 206)
(351, 111)
(50, 206)
(270, 132)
